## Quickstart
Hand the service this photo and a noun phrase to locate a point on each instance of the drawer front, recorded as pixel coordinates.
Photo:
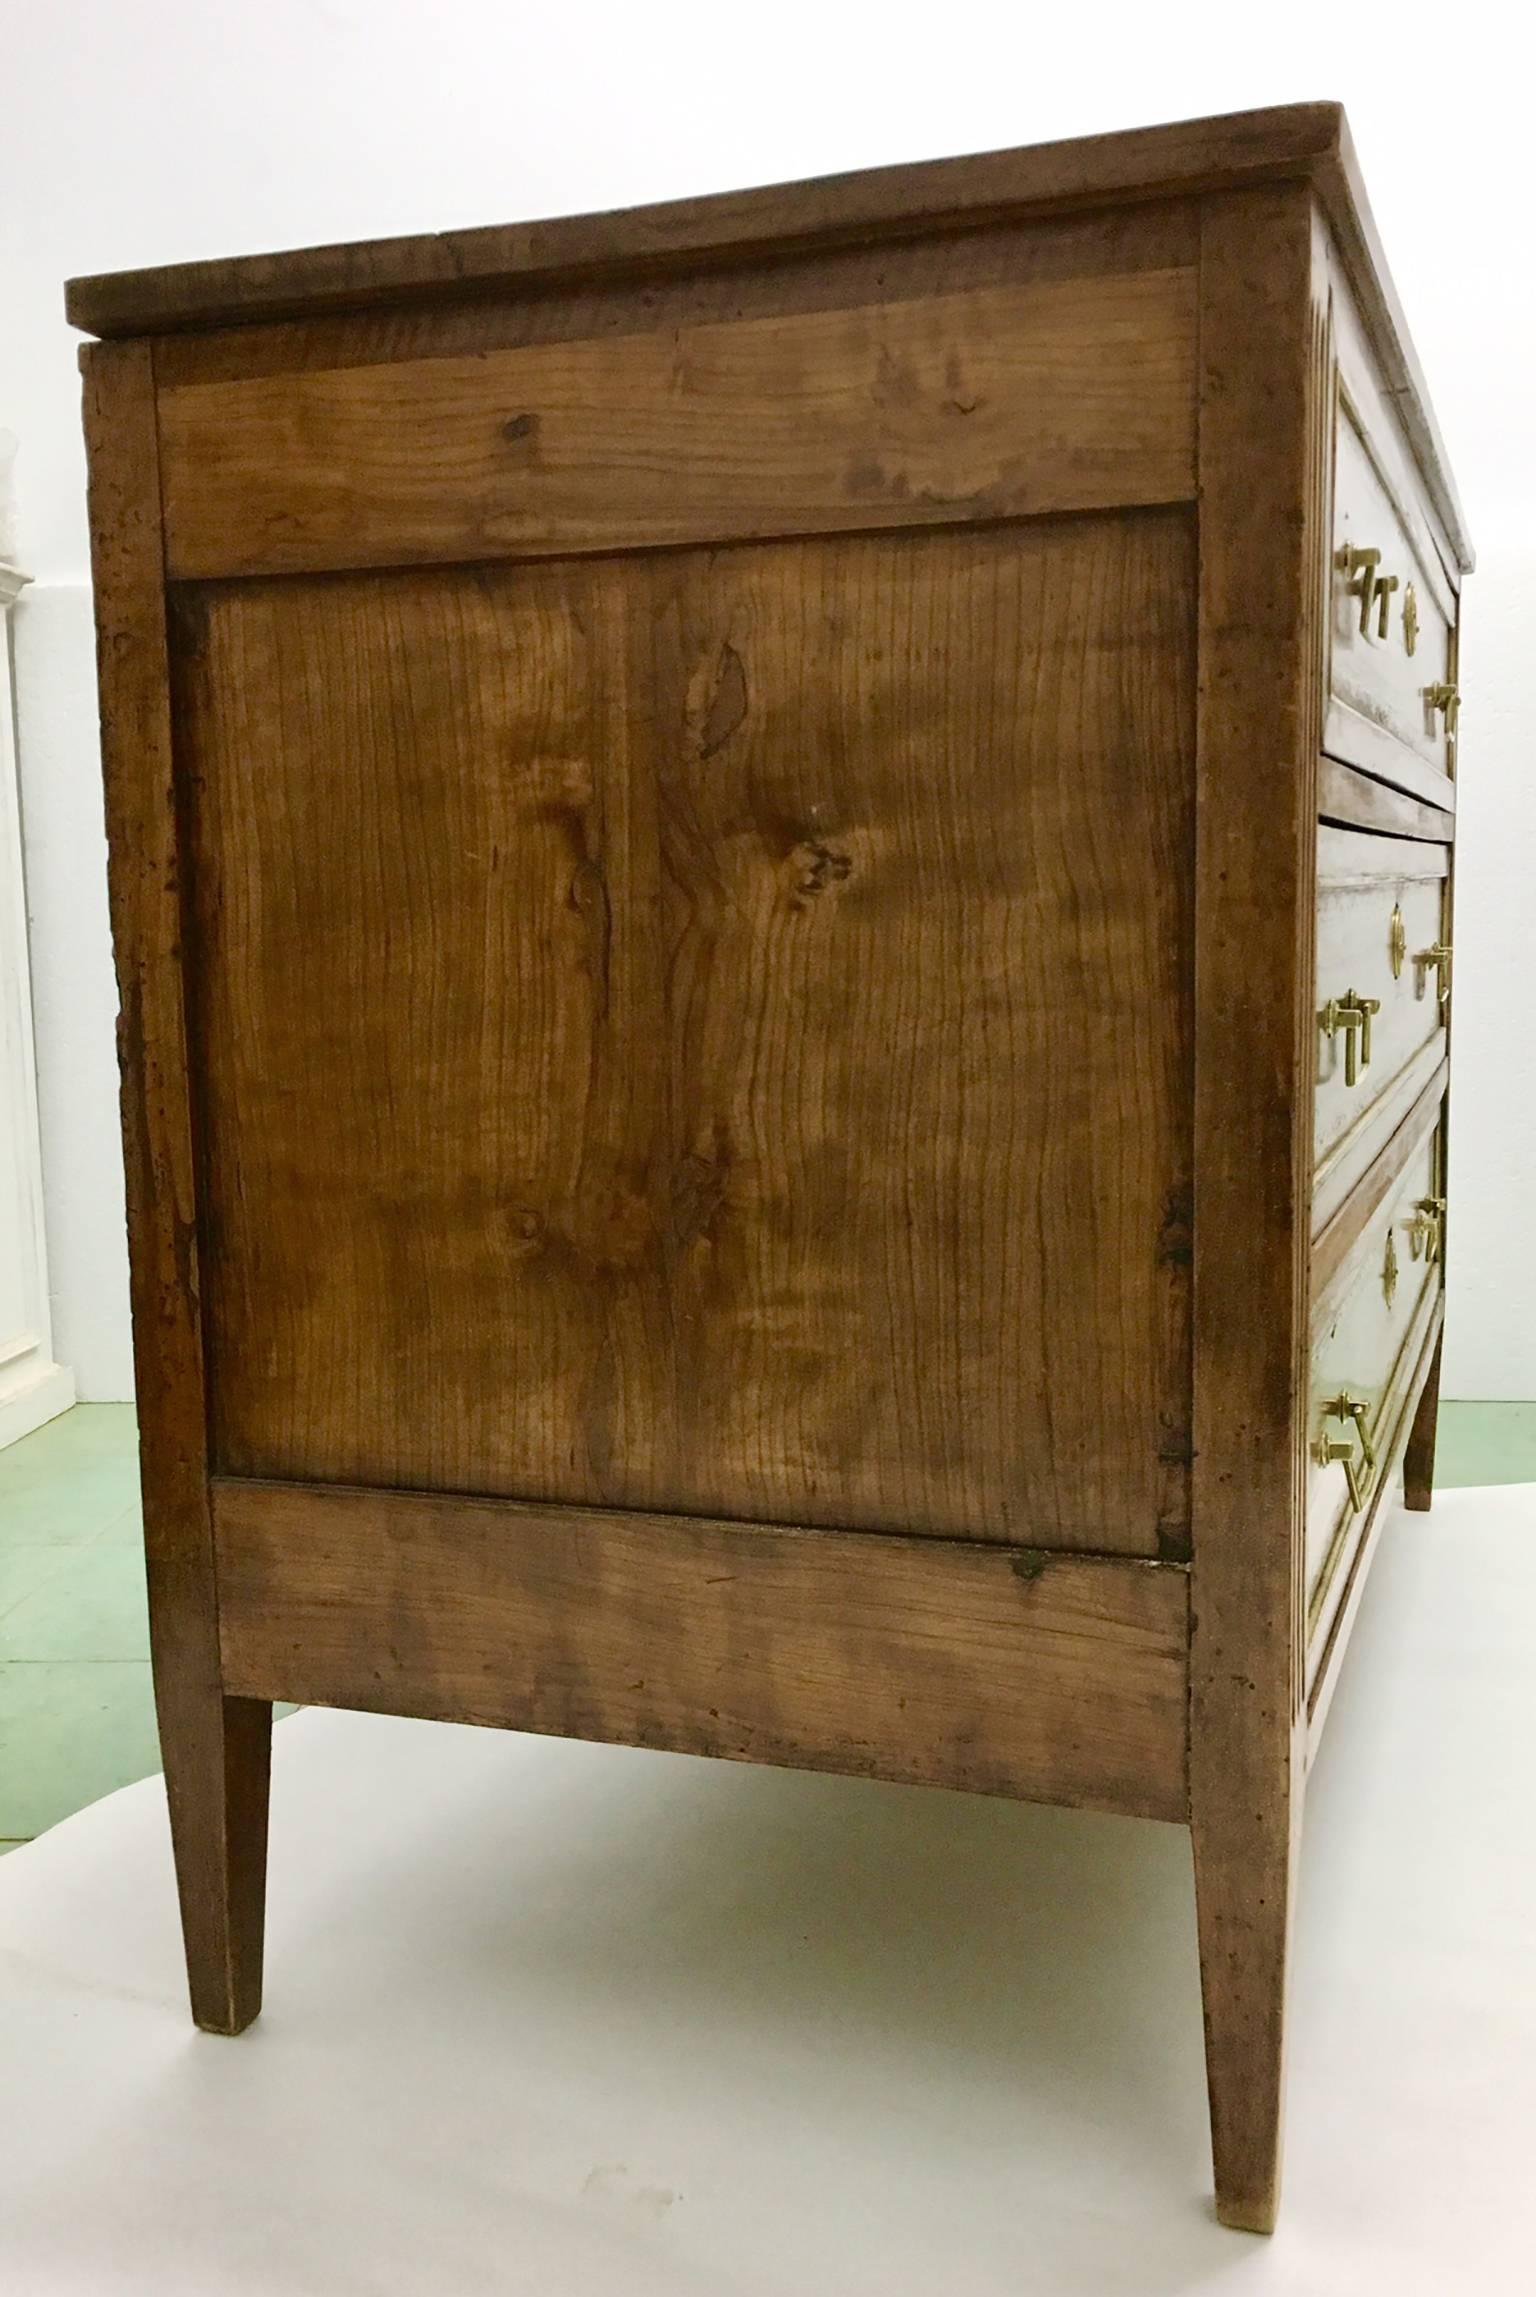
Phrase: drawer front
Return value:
(1392, 697)
(1366, 1328)
(1383, 975)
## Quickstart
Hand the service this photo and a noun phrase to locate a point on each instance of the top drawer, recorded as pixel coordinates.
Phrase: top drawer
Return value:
(1392, 701)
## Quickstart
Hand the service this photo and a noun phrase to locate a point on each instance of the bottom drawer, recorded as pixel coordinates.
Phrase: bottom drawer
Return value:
(1366, 1324)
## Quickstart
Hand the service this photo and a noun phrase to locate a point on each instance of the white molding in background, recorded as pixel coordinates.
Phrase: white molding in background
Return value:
(33, 1388)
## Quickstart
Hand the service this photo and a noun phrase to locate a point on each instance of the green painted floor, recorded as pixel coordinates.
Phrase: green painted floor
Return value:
(76, 1711)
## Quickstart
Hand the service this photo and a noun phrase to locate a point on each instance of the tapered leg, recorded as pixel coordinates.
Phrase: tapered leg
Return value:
(1244, 1886)
(215, 1750)
(217, 1755)
(1419, 1458)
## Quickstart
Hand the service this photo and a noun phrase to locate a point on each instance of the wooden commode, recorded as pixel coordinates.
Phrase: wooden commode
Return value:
(781, 873)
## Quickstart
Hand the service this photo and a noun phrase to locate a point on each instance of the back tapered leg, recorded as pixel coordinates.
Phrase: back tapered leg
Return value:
(1419, 1456)
(217, 1757)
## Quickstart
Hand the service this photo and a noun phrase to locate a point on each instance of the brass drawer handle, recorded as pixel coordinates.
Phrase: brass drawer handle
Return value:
(1444, 696)
(1371, 587)
(1351, 1014)
(1354, 1412)
(1426, 1230)
(1437, 957)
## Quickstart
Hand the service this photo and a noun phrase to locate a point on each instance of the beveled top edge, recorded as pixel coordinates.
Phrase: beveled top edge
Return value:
(1231, 150)
(776, 218)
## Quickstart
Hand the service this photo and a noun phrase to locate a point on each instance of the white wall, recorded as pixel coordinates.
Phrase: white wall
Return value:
(179, 128)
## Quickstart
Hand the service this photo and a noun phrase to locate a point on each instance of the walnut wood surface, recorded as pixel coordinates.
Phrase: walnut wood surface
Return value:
(1263, 465)
(858, 277)
(929, 198)
(1308, 142)
(1000, 1671)
(1419, 1455)
(214, 1747)
(976, 403)
(720, 999)
(708, 1031)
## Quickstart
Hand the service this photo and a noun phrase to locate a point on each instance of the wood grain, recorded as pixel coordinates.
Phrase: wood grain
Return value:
(1106, 243)
(1018, 398)
(928, 198)
(720, 999)
(1263, 427)
(1419, 1454)
(215, 1749)
(1002, 1672)
(708, 1033)
(1359, 801)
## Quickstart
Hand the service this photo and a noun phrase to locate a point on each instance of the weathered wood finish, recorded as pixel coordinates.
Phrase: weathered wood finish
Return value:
(1377, 686)
(710, 1132)
(1263, 464)
(1361, 1320)
(1056, 395)
(1332, 1639)
(1309, 143)
(1105, 244)
(1335, 1239)
(1357, 801)
(1363, 882)
(1002, 1671)
(1419, 1456)
(716, 866)
(214, 1746)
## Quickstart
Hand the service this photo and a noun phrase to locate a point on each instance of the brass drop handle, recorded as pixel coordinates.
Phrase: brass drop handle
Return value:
(1360, 567)
(1437, 957)
(1426, 1230)
(1373, 589)
(1368, 1006)
(1354, 1412)
(1385, 586)
(1445, 696)
(1352, 1015)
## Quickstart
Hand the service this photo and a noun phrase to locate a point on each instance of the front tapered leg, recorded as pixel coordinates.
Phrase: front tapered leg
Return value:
(1244, 1885)
(217, 1757)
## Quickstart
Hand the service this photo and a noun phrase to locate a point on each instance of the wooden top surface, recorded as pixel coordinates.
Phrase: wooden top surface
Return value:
(1310, 141)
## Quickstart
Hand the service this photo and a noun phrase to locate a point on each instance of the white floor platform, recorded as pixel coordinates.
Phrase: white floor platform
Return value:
(550, 2020)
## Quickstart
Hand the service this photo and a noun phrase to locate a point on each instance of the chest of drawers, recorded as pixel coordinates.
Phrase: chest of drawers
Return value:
(781, 880)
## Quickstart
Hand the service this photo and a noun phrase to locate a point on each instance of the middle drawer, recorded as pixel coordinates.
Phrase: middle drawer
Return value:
(1383, 979)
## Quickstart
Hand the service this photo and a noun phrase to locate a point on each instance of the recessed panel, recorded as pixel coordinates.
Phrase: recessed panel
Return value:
(708, 1031)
